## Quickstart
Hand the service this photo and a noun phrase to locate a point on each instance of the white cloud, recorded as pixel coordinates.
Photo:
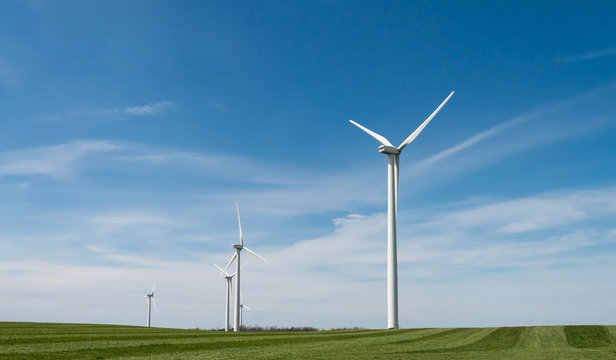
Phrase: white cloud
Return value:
(536, 212)
(588, 56)
(124, 219)
(575, 116)
(147, 110)
(117, 113)
(475, 139)
(59, 161)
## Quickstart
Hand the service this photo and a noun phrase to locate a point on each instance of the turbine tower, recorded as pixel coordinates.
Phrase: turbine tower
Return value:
(151, 301)
(393, 162)
(238, 248)
(228, 293)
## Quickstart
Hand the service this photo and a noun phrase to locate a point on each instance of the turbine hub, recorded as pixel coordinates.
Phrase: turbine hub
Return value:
(389, 150)
(237, 246)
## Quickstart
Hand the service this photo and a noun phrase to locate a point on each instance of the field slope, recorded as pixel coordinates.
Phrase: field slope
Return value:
(78, 341)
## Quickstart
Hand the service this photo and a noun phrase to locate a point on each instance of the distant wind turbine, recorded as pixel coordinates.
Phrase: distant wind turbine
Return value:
(228, 296)
(238, 248)
(393, 161)
(151, 301)
(242, 307)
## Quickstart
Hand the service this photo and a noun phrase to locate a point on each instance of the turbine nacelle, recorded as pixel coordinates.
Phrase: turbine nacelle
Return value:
(237, 246)
(389, 150)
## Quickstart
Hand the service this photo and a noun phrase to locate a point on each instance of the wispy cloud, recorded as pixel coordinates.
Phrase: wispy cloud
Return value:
(475, 139)
(118, 113)
(574, 117)
(537, 212)
(587, 56)
(124, 259)
(57, 161)
(217, 105)
(127, 219)
(146, 110)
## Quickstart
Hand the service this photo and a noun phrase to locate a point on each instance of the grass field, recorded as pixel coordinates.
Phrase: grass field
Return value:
(77, 341)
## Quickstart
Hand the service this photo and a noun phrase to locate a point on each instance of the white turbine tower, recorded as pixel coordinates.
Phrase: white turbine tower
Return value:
(238, 248)
(228, 278)
(151, 301)
(393, 161)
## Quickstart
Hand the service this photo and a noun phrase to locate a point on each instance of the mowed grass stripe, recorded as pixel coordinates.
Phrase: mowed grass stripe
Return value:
(87, 350)
(542, 337)
(437, 336)
(499, 339)
(8, 329)
(502, 338)
(587, 336)
(91, 337)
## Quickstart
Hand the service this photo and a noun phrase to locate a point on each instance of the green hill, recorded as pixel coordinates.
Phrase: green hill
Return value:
(78, 341)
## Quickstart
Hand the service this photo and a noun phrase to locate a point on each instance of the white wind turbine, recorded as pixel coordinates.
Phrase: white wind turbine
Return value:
(393, 161)
(238, 248)
(242, 307)
(228, 294)
(151, 301)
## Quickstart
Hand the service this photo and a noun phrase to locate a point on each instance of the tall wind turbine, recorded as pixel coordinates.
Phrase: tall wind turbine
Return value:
(393, 162)
(238, 248)
(151, 301)
(228, 296)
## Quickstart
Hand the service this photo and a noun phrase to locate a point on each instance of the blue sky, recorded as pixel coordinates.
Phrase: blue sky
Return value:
(128, 130)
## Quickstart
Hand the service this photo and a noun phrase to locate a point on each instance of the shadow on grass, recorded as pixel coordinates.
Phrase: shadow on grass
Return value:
(587, 336)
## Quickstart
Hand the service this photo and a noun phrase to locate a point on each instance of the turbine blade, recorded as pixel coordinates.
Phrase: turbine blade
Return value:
(241, 267)
(154, 303)
(239, 222)
(378, 137)
(230, 261)
(153, 285)
(255, 254)
(221, 270)
(423, 125)
(246, 307)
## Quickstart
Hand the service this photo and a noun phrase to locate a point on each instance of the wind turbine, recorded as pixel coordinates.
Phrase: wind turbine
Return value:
(151, 301)
(242, 307)
(238, 248)
(228, 297)
(393, 162)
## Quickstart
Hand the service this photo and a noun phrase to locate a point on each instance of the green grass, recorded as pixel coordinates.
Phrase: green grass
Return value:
(78, 341)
